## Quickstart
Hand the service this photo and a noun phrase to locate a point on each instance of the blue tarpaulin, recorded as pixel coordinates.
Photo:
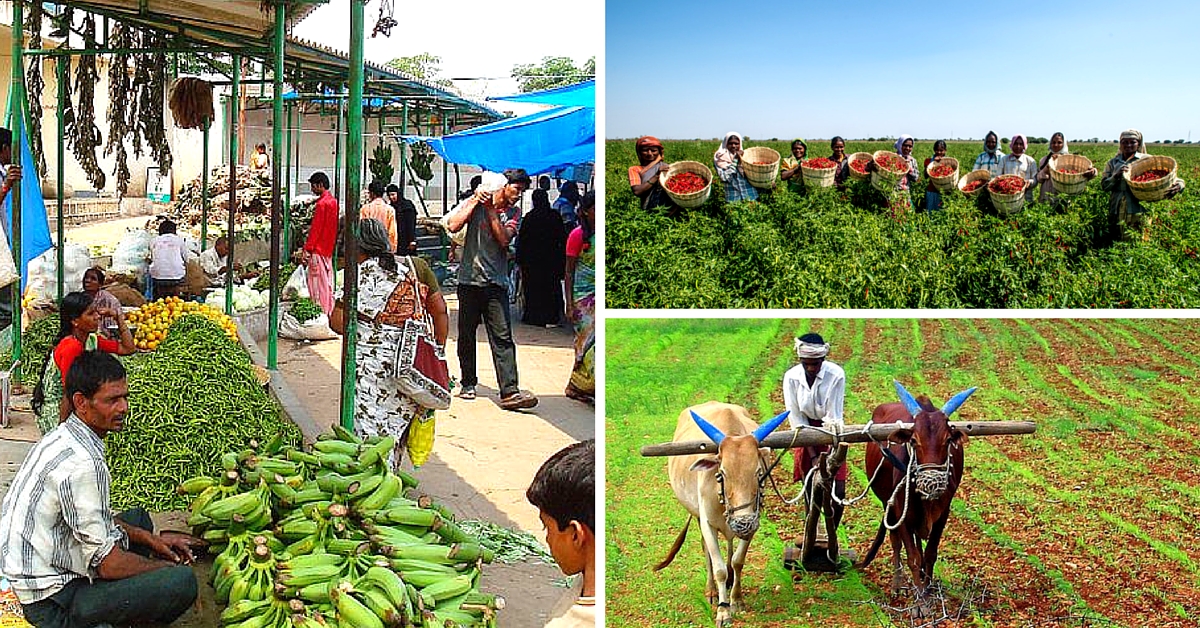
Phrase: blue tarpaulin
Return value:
(577, 95)
(35, 227)
(541, 142)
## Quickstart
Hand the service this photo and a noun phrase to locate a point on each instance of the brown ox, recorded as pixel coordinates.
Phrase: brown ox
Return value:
(723, 491)
(916, 493)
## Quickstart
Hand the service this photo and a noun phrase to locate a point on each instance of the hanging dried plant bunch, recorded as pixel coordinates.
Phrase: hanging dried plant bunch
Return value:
(35, 85)
(84, 136)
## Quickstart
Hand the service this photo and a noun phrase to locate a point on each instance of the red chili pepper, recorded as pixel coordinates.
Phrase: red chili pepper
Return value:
(1007, 184)
(942, 170)
(1152, 175)
(860, 165)
(820, 163)
(893, 162)
(686, 183)
(974, 185)
(1070, 170)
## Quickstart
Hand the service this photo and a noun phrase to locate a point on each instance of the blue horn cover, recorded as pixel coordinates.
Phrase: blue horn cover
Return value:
(907, 399)
(766, 428)
(708, 428)
(956, 401)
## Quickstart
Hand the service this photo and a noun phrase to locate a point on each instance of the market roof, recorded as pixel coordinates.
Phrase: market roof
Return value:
(244, 27)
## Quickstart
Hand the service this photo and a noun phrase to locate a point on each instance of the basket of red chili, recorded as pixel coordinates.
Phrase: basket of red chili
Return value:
(973, 182)
(1149, 178)
(943, 174)
(1066, 171)
(889, 168)
(688, 183)
(858, 166)
(761, 166)
(1007, 192)
(818, 172)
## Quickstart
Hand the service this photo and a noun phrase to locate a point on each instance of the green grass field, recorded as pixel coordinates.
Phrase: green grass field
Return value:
(837, 249)
(1092, 517)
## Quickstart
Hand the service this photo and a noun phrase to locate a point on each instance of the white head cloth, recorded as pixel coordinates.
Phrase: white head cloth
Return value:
(808, 350)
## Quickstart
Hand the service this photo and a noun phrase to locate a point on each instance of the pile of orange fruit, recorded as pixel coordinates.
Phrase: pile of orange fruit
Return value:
(154, 319)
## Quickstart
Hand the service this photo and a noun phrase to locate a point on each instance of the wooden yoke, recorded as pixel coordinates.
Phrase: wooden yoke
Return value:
(809, 437)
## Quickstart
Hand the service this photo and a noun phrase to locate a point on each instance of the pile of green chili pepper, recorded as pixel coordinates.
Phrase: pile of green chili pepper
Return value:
(193, 399)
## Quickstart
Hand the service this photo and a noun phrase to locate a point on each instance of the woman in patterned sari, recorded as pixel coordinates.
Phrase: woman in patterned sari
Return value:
(391, 290)
(581, 300)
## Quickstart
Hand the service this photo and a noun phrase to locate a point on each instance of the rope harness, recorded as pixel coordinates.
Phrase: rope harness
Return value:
(931, 480)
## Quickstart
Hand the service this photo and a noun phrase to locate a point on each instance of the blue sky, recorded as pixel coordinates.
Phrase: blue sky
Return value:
(933, 70)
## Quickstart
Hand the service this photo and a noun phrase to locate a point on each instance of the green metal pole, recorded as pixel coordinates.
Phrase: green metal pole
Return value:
(204, 190)
(16, 111)
(354, 154)
(403, 149)
(277, 123)
(337, 173)
(60, 64)
(233, 163)
(287, 189)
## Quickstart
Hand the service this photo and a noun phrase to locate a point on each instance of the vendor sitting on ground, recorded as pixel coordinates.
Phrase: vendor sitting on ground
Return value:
(93, 282)
(70, 562)
(215, 262)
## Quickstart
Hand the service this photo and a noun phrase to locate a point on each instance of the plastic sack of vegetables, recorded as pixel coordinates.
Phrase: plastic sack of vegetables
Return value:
(420, 438)
(305, 321)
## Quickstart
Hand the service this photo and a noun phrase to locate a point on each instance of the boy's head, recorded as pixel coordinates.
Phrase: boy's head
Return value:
(564, 490)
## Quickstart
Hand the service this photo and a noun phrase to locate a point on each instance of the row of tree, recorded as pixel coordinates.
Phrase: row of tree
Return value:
(550, 73)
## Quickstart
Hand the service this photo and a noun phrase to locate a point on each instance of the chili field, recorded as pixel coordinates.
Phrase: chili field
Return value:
(1089, 521)
(847, 249)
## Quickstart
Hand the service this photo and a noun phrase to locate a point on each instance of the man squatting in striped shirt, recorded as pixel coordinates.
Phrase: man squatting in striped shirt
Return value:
(72, 563)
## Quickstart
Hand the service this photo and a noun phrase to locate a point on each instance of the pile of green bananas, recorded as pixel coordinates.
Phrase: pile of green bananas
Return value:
(332, 537)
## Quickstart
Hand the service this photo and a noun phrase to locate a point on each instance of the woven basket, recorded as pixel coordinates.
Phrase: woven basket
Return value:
(1066, 183)
(762, 177)
(884, 180)
(695, 199)
(974, 175)
(1155, 190)
(1007, 203)
(861, 176)
(946, 183)
(818, 177)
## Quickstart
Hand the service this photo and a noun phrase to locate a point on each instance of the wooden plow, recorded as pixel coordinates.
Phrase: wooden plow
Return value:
(821, 552)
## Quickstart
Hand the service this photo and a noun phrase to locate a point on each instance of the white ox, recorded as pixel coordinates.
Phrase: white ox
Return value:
(723, 491)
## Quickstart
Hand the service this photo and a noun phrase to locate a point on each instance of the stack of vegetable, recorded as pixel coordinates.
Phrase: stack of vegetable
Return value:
(194, 398)
(245, 299)
(305, 309)
(154, 319)
(37, 341)
(332, 537)
(264, 280)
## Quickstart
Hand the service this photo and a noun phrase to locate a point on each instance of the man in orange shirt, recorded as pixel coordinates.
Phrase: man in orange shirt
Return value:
(379, 209)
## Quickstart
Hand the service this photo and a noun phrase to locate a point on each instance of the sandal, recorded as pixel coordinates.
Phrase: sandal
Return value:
(519, 401)
(467, 392)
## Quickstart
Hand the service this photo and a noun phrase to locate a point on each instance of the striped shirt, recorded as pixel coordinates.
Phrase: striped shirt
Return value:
(56, 522)
(989, 162)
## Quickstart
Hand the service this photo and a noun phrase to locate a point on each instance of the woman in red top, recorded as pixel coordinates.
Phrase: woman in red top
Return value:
(78, 321)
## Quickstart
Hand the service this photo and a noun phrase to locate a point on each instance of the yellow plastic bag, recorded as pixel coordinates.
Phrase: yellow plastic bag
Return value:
(420, 439)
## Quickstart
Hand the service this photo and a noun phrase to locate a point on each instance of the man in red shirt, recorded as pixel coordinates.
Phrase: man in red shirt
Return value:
(317, 255)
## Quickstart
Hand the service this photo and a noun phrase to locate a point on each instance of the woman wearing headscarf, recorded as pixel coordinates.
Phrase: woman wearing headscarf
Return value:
(581, 300)
(1123, 207)
(541, 254)
(391, 290)
(991, 157)
(1058, 146)
(643, 178)
(790, 168)
(1020, 164)
(814, 394)
(933, 196)
(728, 163)
(838, 147)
